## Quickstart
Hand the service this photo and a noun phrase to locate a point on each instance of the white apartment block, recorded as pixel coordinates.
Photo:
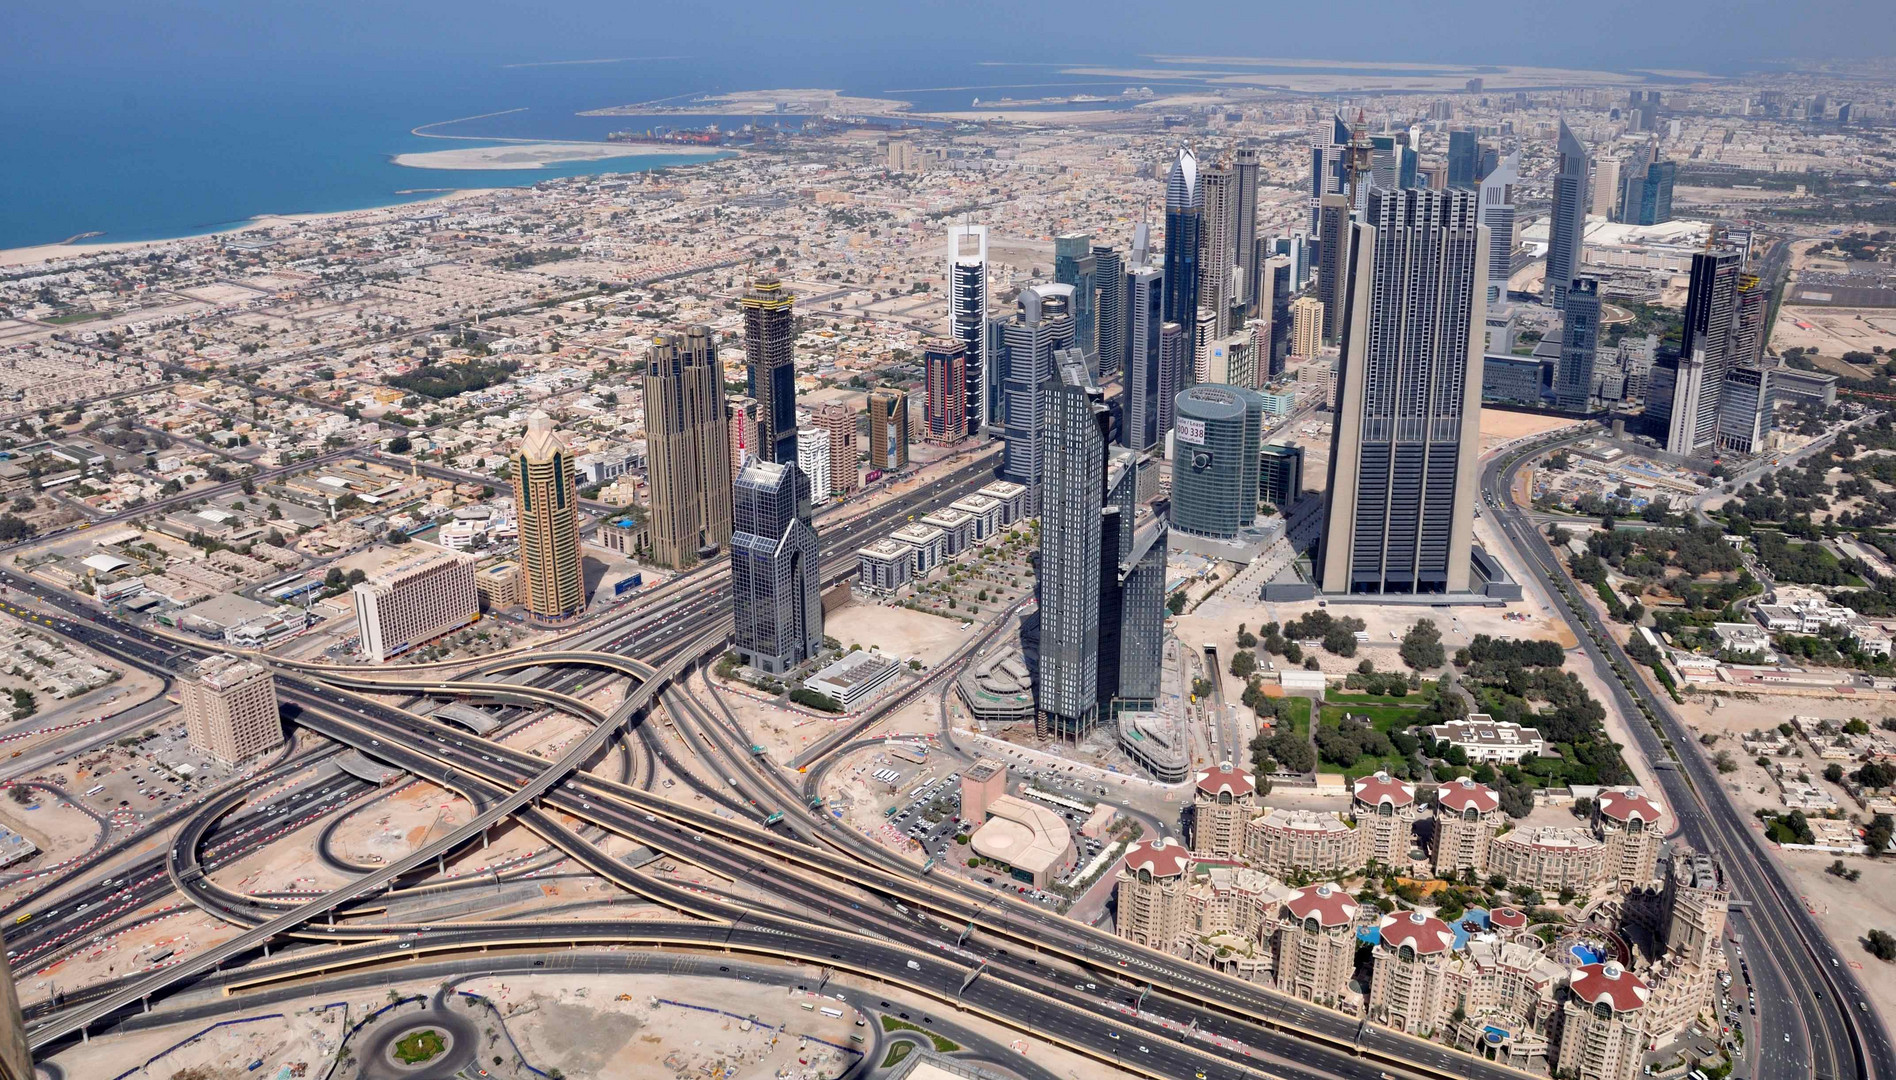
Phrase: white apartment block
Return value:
(411, 603)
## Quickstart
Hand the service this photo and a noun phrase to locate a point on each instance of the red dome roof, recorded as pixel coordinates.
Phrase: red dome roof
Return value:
(1507, 918)
(1611, 983)
(1225, 778)
(1383, 788)
(1459, 795)
(1328, 904)
(1160, 858)
(1628, 804)
(1426, 934)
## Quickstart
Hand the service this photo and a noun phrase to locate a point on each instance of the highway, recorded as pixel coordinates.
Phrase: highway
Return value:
(1805, 991)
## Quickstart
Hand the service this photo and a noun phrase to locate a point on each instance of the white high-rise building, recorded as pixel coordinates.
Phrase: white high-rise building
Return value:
(411, 603)
(813, 457)
(1497, 216)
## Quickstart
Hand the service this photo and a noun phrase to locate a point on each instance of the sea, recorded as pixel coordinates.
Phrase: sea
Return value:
(156, 154)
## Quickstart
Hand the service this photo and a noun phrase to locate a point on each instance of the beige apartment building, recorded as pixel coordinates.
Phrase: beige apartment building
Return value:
(1315, 951)
(1627, 821)
(1151, 900)
(845, 459)
(1409, 980)
(1224, 799)
(688, 446)
(546, 502)
(1281, 841)
(1467, 815)
(410, 603)
(1384, 810)
(1549, 859)
(1602, 1032)
(230, 709)
(1306, 327)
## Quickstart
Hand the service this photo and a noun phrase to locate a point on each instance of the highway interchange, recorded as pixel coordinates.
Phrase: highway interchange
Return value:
(805, 888)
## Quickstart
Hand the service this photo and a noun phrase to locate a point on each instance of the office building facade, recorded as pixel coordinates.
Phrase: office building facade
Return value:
(1217, 255)
(1579, 342)
(944, 390)
(1464, 159)
(687, 447)
(1184, 236)
(1215, 435)
(1109, 305)
(1710, 303)
(1567, 226)
(1333, 231)
(1280, 475)
(1145, 298)
(1075, 266)
(770, 368)
(230, 709)
(813, 459)
(1402, 460)
(888, 429)
(1069, 579)
(1042, 325)
(1272, 303)
(546, 505)
(1249, 252)
(968, 318)
(776, 572)
(1497, 216)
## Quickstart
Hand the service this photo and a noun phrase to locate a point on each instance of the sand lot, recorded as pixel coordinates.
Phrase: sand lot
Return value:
(1834, 331)
(897, 631)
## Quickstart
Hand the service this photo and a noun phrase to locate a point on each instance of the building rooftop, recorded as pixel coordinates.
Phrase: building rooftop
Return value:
(1022, 834)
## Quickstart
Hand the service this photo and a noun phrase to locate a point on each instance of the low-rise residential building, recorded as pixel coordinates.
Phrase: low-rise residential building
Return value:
(1627, 822)
(1483, 738)
(1549, 859)
(925, 542)
(1224, 799)
(1384, 810)
(885, 565)
(1602, 1034)
(1409, 982)
(1467, 816)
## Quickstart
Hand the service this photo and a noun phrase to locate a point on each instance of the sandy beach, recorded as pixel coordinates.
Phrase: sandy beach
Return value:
(541, 155)
(22, 256)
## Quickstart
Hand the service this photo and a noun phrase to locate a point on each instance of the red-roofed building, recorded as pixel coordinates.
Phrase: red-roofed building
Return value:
(1627, 822)
(1316, 944)
(1384, 809)
(1151, 897)
(1223, 801)
(1601, 1032)
(1467, 815)
(1408, 987)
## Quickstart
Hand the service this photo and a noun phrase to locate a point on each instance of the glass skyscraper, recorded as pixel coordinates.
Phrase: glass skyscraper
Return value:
(1215, 437)
(968, 319)
(770, 369)
(1579, 342)
(1184, 227)
(776, 572)
(1145, 298)
(1042, 325)
(1074, 264)
(1567, 227)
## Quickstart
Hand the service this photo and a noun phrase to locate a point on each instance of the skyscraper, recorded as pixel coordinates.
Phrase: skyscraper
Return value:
(967, 315)
(740, 421)
(1248, 250)
(1497, 216)
(776, 586)
(1579, 341)
(1145, 297)
(1306, 326)
(1327, 151)
(839, 420)
(1645, 196)
(944, 382)
(1706, 338)
(1566, 233)
(1606, 188)
(1184, 235)
(1215, 460)
(1101, 581)
(1042, 325)
(230, 709)
(16, 1060)
(1746, 405)
(888, 429)
(1074, 264)
(813, 461)
(1464, 158)
(1109, 302)
(1217, 246)
(1402, 455)
(1753, 303)
(1273, 314)
(771, 377)
(1175, 371)
(1333, 266)
(687, 446)
(546, 502)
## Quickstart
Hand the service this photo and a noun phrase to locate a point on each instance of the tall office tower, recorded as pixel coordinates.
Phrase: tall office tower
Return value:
(1109, 303)
(1306, 327)
(994, 381)
(1752, 304)
(1683, 387)
(546, 504)
(1141, 583)
(230, 709)
(1606, 188)
(1232, 361)
(1145, 296)
(1280, 472)
(1745, 409)
(1709, 304)
(1042, 325)
(1402, 454)
(776, 572)
(740, 422)
(1602, 1034)
(967, 315)
(413, 601)
(1646, 192)
(1074, 264)
(840, 421)
(1464, 158)
(1327, 177)
(1215, 460)
(1248, 251)
(1184, 235)
(1203, 333)
(888, 429)
(1217, 245)
(1073, 499)
(944, 382)
(687, 446)
(1175, 371)
(1333, 265)
(1273, 311)
(1567, 226)
(1297, 247)
(1385, 164)
(770, 372)
(813, 459)
(1497, 216)
(1579, 341)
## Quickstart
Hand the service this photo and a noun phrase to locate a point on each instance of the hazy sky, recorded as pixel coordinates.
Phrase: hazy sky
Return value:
(228, 35)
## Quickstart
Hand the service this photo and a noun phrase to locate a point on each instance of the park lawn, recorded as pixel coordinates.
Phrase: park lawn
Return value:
(1414, 697)
(1300, 717)
(419, 1046)
(1385, 720)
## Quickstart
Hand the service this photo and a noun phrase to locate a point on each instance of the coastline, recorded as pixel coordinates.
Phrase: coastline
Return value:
(23, 256)
(515, 155)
